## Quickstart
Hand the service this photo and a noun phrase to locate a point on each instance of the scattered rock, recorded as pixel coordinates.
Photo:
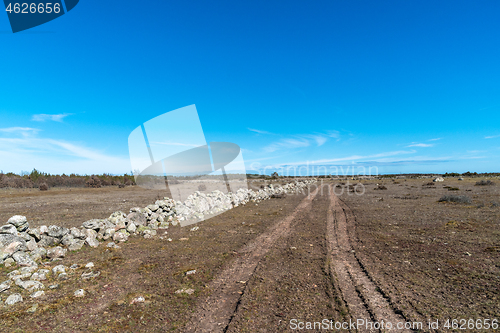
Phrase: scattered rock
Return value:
(59, 269)
(89, 265)
(33, 308)
(185, 291)
(4, 286)
(438, 179)
(79, 293)
(90, 275)
(31, 285)
(139, 299)
(62, 276)
(54, 286)
(191, 272)
(13, 299)
(37, 294)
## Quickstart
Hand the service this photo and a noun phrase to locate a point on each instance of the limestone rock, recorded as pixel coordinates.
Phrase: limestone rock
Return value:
(77, 245)
(56, 252)
(8, 262)
(23, 227)
(59, 269)
(77, 233)
(23, 259)
(79, 293)
(131, 227)
(121, 236)
(9, 244)
(13, 299)
(93, 224)
(48, 241)
(137, 218)
(8, 229)
(37, 294)
(57, 231)
(32, 285)
(17, 220)
(68, 239)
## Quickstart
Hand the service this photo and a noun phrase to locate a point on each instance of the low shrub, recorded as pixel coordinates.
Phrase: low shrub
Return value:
(43, 187)
(455, 198)
(380, 187)
(93, 182)
(484, 183)
(202, 187)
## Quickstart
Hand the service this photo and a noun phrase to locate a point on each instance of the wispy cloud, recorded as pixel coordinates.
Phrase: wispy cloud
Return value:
(301, 141)
(53, 117)
(57, 156)
(434, 139)
(24, 131)
(353, 158)
(492, 136)
(423, 145)
(260, 131)
(174, 144)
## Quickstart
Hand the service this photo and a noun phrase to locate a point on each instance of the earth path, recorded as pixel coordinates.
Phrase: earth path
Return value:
(215, 313)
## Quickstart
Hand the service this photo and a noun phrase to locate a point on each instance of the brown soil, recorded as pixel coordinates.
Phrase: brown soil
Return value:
(431, 259)
(394, 255)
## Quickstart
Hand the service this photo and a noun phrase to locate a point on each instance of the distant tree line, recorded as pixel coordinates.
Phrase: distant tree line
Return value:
(35, 179)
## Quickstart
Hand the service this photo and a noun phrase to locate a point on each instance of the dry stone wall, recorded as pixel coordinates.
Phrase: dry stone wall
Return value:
(26, 247)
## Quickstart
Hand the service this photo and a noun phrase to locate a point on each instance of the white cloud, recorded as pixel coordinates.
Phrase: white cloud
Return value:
(301, 141)
(424, 145)
(53, 117)
(352, 158)
(56, 156)
(260, 131)
(174, 144)
(434, 139)
(492, 136)
(24, 131)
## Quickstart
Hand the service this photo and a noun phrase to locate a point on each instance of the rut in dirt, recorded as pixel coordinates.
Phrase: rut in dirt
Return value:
(216, 312)
(361, 296)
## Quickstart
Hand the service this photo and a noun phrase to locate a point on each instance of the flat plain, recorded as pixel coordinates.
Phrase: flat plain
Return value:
(336, 253)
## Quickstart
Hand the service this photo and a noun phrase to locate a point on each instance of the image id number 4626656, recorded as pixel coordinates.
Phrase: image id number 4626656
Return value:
(33, 8)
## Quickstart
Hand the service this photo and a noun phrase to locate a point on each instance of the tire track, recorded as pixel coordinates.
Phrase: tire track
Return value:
(360, 294)
(215, 314)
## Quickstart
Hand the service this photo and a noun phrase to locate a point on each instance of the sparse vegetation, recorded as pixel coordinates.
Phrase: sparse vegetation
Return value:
(202, 187)
(455, 198)
(485, 183)
(36, 178)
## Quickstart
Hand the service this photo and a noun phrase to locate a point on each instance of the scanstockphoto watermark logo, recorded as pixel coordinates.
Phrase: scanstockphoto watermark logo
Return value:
(25, 15)
(170, 153)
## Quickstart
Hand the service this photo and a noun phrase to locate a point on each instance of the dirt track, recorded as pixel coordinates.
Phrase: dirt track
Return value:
(395, 255)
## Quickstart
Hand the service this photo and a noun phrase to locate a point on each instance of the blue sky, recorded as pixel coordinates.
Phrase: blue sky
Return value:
(400, 86)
